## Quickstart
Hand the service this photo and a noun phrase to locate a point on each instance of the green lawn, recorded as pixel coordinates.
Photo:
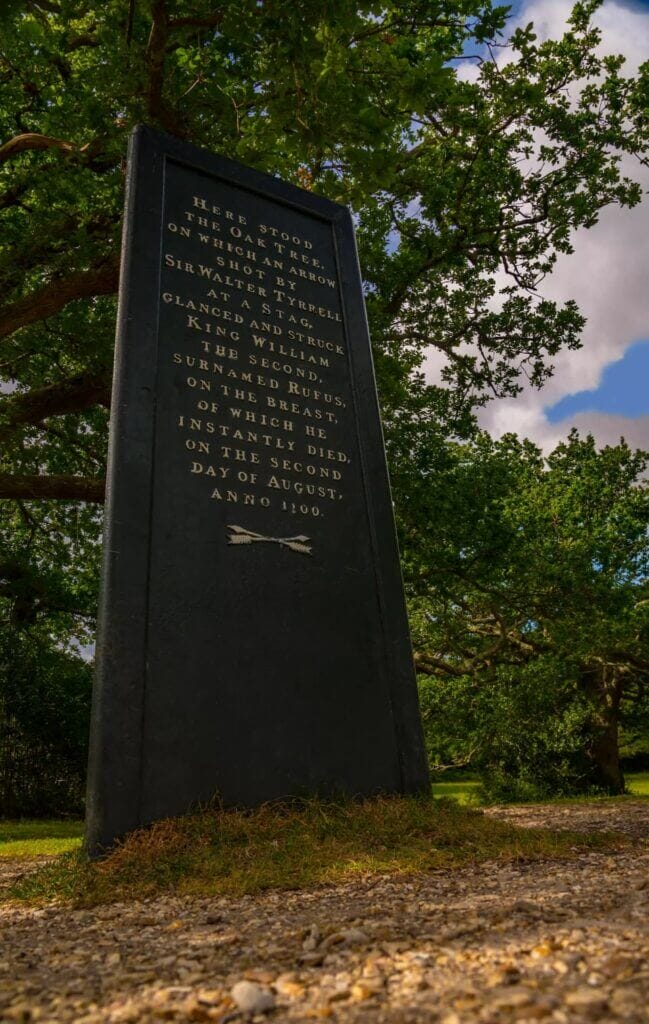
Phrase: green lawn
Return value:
(39, 838)
(47, 838)
(465, 791)
(638, 785)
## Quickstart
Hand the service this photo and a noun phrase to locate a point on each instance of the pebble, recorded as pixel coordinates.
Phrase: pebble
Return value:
(364, 990)
(347, 937)
(511, 999)
(504, 976)
(252, 998)
(586, 999)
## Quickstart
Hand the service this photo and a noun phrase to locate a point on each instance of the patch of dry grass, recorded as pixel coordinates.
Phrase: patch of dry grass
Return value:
(291, 847)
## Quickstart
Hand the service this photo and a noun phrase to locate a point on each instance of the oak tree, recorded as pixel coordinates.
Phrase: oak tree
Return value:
(469, 155)
(530, 601)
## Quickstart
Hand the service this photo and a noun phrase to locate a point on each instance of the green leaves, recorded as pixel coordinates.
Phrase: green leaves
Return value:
(483, 180)
(528, 593)
(467, 179)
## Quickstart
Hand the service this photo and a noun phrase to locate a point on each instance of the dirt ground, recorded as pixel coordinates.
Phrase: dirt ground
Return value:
(551, 941)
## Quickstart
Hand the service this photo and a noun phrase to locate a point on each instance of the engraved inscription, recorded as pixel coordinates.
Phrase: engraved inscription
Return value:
(261, 394)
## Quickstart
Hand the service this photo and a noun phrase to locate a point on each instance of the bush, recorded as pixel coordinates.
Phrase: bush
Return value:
(522, 730)
(44, 715)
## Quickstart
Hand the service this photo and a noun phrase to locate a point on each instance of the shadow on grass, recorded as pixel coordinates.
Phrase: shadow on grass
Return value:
(25, 829)
(293, 847)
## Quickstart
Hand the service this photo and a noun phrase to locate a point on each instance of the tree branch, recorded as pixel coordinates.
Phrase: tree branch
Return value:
(211, 21)
(630, 658)
(91, 152)
(45, 5)
(72, 395)
(155, 57)
(31, 140)
(52, 297)
(59, 487)
(427, 665)
(77, 42)
(156, 52)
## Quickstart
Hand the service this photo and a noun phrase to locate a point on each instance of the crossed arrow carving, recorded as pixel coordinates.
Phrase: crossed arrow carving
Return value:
(240, 535)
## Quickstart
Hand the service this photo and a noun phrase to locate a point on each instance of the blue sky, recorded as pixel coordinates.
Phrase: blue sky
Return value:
(623, 389)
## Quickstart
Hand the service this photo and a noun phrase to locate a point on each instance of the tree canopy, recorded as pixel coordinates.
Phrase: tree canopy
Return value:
(466, 186)
(530, 604)
(468, 154)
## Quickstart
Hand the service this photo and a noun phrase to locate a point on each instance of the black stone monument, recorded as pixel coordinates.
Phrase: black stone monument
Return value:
(253, 640)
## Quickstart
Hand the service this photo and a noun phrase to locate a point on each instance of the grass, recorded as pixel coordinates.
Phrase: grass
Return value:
(638, 784)
(465, 791)
(39, 838)
(280, 847)
(26, 838)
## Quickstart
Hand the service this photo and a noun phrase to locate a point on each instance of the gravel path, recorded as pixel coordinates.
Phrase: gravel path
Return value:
(551, 941)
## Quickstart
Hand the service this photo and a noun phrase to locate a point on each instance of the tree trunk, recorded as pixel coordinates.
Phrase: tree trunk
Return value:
(604, 751)
(602, 685)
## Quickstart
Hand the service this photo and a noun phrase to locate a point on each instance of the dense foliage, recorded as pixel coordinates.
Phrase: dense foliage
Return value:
(466, 185)
(531, 608)
(48, 582)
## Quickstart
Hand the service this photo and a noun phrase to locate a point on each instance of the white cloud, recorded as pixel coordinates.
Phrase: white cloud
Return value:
(606, 274)
(605, 427)
(624, 28)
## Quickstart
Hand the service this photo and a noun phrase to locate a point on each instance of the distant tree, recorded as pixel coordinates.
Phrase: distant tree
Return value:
(529, 580)
(48, 570)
